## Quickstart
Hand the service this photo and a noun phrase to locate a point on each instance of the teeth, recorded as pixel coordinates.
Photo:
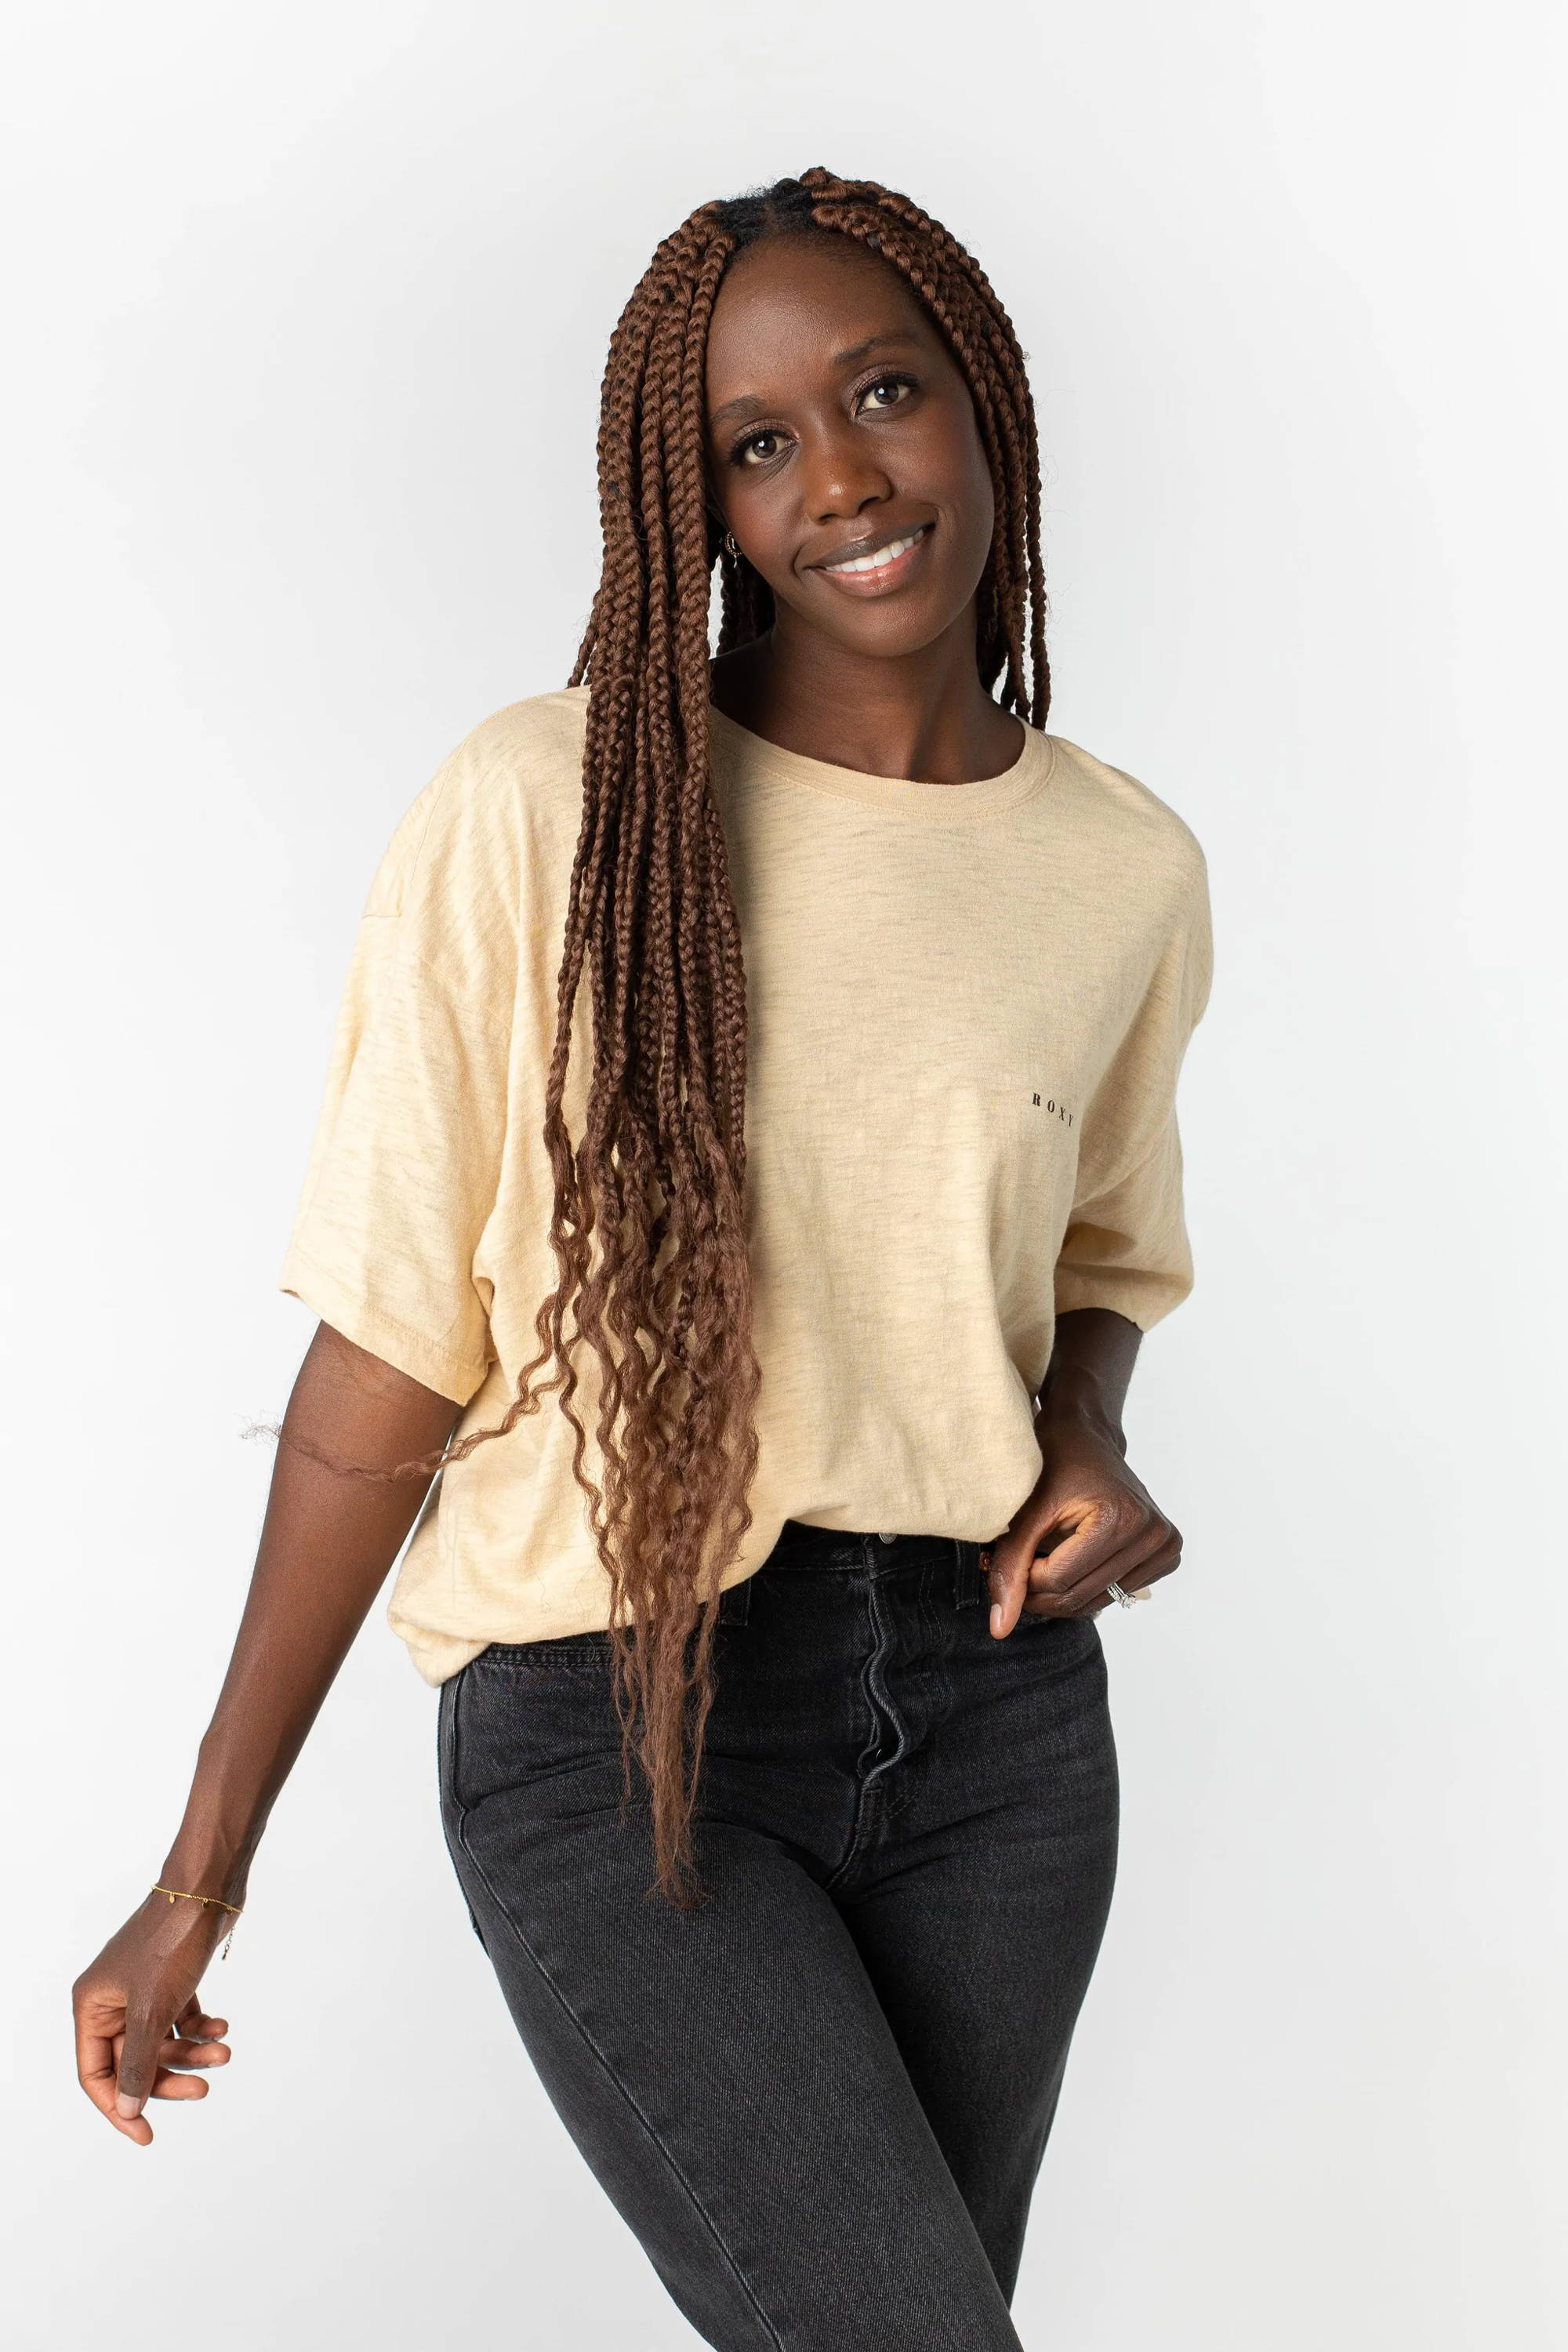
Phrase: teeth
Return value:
(883, 555)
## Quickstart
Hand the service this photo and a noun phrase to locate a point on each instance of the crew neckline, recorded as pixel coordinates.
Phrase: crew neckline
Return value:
(900, 795)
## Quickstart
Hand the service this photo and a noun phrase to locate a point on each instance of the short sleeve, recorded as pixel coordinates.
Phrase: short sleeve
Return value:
(1126, 1245)
(403, 1168)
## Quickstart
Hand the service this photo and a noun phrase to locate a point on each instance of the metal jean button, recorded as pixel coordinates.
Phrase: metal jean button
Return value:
(882, 1538)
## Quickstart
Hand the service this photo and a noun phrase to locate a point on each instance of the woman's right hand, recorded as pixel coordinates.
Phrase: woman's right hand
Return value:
(327, 1542)
(138, 2020)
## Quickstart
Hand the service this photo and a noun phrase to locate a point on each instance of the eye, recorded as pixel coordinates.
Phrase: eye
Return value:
(888, 392)
(757, 448)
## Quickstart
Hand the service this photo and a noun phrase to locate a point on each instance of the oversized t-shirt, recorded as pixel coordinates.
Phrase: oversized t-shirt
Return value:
(967, 1007)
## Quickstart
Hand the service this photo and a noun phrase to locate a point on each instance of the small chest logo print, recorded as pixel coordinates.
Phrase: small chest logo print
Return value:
(1052, 1108)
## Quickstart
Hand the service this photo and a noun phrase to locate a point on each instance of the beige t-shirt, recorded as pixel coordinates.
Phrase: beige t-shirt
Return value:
(968, 1004)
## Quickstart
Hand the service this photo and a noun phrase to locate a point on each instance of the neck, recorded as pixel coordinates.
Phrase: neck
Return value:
(923, 716)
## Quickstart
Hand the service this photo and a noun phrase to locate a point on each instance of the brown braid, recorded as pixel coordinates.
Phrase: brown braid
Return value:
(657, 1178)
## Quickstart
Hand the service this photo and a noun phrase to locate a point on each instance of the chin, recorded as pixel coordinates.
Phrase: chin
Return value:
(888, 635)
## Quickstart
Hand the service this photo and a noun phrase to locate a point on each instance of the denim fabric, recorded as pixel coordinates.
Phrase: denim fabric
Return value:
(821, 2100)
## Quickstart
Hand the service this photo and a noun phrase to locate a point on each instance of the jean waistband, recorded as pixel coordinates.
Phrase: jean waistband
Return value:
(803, 1547)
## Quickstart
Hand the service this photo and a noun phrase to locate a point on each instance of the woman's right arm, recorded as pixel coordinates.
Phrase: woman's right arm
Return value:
(329, 1537)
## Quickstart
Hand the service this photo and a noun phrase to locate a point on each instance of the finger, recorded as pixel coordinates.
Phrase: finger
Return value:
(203, 2028)
(1159, 1560)
(1088, 1608)
(194, 2020)
(1086, 1563)
(1134, 1581)
(1089, 1593)
(193, 2026)
(168, 2086)
(207, 2052)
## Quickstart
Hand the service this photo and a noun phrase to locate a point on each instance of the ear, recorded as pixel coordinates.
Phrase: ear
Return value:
(717, 527)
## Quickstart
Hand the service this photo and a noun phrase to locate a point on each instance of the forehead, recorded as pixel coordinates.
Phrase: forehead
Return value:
(791, 306)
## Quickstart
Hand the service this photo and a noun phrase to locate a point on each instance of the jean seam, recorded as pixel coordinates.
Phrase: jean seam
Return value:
(446, 1762)
(610, 2077)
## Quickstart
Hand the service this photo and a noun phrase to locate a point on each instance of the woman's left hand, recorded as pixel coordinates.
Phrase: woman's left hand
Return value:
(1087, 1522)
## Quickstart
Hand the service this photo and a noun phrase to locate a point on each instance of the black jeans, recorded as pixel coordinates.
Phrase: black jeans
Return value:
(821, 2100)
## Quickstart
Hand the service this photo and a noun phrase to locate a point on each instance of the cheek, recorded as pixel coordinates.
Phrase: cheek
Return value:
(760, 513)
(971, 477)
(974, 499)
(954, 475)
(945, 463)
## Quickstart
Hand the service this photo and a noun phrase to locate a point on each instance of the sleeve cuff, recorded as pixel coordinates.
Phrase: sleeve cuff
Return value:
(1144, 1299)
(380, 1334)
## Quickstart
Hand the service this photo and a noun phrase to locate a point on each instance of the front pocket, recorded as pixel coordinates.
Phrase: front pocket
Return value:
(534, 1724)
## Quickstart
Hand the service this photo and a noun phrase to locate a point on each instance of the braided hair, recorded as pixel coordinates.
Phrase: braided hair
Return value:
(664, 1304)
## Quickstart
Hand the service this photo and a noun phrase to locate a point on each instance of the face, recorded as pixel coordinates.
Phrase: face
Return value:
(843, 449)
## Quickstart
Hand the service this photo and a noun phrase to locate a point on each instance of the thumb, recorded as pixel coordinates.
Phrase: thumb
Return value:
(138, 2062)
(1006, 1566)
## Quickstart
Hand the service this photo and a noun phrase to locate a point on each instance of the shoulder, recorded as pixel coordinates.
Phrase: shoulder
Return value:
(518, 772)
(536, 742)
(1139, 830)
(1144, 862)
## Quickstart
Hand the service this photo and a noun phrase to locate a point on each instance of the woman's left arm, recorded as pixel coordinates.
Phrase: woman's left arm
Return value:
(1088, 1518)
(1124, 1263)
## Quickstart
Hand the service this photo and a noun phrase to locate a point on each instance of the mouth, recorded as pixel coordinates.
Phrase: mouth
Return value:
(871, 566)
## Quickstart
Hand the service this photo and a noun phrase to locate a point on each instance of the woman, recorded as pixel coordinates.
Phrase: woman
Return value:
(802, 1026)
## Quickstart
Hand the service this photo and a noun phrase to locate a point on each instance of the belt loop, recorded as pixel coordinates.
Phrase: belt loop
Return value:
(735, 1602)
(968, 1583)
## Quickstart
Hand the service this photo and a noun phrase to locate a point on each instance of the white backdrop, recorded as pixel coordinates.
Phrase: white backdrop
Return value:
(312, 306)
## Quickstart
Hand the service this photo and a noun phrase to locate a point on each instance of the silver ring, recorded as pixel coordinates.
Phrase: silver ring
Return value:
(1116, 1593)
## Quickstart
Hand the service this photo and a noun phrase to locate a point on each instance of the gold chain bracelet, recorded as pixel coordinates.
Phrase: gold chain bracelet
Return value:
(177, 1893)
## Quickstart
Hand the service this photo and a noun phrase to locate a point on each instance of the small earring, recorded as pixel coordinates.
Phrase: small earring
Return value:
(729, 543)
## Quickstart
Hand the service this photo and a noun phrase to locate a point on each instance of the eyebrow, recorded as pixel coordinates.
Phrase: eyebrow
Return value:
(750, 400)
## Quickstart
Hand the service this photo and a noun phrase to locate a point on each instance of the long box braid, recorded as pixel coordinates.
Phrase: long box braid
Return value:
(658, 1175)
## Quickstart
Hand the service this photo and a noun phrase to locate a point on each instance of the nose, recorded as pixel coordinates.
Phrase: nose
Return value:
(843, 477)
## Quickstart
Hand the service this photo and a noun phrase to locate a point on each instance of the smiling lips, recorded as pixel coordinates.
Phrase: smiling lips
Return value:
(880, 567)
